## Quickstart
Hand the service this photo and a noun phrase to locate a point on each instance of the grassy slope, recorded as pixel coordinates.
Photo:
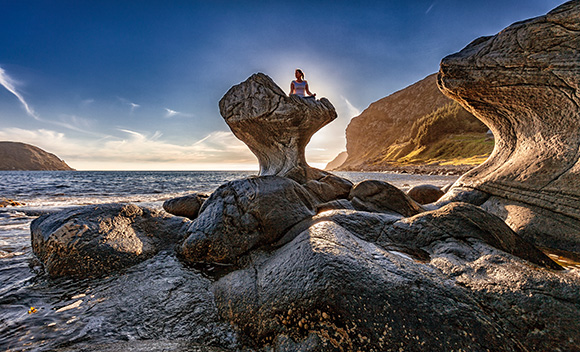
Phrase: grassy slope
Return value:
(448, 136)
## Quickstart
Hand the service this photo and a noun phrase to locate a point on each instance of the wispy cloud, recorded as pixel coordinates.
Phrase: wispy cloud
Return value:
(87, 102)
(430, 7)
(171, 113)
(352, 110)
(131, 104)
(10, 85)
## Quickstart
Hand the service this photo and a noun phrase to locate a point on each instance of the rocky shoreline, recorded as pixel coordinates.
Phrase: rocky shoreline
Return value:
(310, 261)
(422, 169)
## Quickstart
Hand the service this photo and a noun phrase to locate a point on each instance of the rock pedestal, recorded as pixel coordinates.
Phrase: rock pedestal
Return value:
(524, 83)
(276, 127)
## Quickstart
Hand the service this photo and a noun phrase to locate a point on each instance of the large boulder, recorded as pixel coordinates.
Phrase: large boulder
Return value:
(187, 206)
(97, 239)
(524, 84)
(245, 214)
(380, 196)
(425, 194)
(276, 127)
(330, 288)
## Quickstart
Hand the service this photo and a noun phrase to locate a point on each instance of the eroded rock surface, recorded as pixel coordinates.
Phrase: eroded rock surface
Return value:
(524, 84)
(380, 196)
(245, 214)
(353, 280)
(187, 206)
(425, 194)
(96, 240)
(276, 127)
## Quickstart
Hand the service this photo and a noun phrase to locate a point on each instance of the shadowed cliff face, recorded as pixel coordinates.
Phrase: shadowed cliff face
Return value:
(524, 84)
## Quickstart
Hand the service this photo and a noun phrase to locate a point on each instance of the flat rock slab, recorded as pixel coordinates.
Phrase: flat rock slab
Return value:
(330, 290)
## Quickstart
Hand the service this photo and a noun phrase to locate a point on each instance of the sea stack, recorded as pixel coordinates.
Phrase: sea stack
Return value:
(275, 127)
(524, 84)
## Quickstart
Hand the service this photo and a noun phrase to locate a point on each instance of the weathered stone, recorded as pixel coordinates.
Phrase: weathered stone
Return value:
(327, 289)
(187, 206)
(425, 194)
(276, 127)
(524, 84)
(96, 240)
(380, 196)
(329, 187)
(245, 214)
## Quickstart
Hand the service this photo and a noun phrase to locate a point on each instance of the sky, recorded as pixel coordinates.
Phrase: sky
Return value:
(135, 85)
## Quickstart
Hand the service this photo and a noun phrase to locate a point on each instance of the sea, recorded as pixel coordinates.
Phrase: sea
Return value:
(159, 299)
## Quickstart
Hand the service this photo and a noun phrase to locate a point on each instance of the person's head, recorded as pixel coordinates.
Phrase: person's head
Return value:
(299, 74)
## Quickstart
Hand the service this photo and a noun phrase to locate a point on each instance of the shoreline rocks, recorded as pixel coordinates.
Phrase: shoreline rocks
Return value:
(96, 240)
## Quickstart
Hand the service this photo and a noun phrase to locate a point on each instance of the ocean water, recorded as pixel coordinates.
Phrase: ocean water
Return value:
(158, 299)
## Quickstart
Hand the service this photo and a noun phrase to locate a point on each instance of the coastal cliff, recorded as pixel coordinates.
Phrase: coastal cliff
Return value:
(25, 157)
(416, 125)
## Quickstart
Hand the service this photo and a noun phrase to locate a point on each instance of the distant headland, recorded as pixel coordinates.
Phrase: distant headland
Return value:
(16, 156)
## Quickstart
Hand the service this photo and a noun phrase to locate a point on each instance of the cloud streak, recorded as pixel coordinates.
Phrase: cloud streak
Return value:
(10, 85)
(171, 113)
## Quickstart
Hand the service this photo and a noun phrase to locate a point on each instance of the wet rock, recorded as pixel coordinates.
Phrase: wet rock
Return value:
(331, 290)
(425, 194)
(329, 187)
(379, 196)
(96, 240)
(187, 206)
(245, 214)
(524, 84)
(276, 127)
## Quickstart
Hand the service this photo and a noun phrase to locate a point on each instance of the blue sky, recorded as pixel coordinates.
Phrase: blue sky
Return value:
(134, 85)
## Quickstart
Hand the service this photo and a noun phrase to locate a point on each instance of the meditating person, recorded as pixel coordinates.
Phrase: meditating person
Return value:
(299, 87)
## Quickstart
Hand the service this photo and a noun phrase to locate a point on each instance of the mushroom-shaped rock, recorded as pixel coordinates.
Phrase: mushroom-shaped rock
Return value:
(524, 83)
(96, 240)
(276, 127)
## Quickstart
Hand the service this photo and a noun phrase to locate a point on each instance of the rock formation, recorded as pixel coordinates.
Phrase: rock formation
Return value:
(524, 84)
(276, 127)
(187, 206)
(425, 194)
(21, 156)
(243, 215)
(96, 240)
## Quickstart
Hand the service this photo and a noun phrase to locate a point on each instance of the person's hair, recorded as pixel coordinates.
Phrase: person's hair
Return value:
(301, 73)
